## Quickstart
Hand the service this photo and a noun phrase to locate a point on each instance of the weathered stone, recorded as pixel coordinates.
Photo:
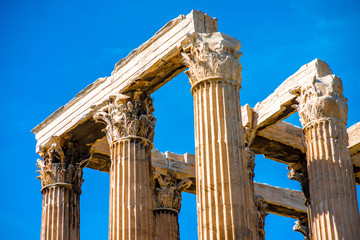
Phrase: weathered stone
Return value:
(227, 137)
(225, 205)
(167, 204)
(61, 180)
(323, 113)
(130, 130)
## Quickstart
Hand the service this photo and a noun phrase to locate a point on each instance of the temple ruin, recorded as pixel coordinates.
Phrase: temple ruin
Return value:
(109, 126)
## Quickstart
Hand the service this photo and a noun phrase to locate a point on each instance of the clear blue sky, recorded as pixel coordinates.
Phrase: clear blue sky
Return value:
(51, 50)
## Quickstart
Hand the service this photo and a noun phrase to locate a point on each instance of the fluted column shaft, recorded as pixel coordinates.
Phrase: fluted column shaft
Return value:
(166, 225)
(224, 195)
(131, 205)
(60, 213)
(334, 207)
(334, 212)
(225, 202)
(61, 178)
(130, 132)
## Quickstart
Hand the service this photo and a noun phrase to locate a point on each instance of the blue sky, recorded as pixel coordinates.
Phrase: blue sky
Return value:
(51, 50)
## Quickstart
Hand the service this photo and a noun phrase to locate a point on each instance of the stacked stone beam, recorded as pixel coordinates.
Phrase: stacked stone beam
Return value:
(130, 131)
(334, 212)
(225, 202)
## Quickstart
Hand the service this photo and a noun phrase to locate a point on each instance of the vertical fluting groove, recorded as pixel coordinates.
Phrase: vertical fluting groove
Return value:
(231, 132)
(341, 227)
(122, 187)
(138, 195)
(128, 190)
(238, 143)
(229, 108)
(201, 167)
(330, 172)
(230, 149)
(133, 184)
(52, 212)
(111, 174)
(66, 221)
(316, 165)
(226, 160)
(219, 104)
(119, 188)
(214, 162)
(208, 186)
(323, 209)
(215, 143)
(63, 212)
(59, 214)
(42, 218)
(205, 184)
(197, 162)
(45, 214)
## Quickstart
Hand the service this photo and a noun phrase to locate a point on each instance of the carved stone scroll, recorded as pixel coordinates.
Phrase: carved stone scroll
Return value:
(129, 129)
(128, 116)
(333, 202)
(61, 173)
(302, 226)
(225, 204)
(167, 204)
(212, 56)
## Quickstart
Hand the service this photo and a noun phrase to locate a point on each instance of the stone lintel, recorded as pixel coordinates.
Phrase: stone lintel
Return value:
(282, 142)
(280, 104)
(281, 201)
(146, 68)
(285, 143)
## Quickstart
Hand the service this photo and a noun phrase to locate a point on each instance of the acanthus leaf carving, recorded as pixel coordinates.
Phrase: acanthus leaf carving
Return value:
(212, 55)
(61, 163)
(302, 226)
(321, 99)
(128, 116)
(298, 172)
(167, 191)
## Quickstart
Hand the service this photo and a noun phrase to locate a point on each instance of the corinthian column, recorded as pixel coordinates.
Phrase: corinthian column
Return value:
(130, 132)
(167, 203)
(225, 201)
(61, 179)
(334, 212)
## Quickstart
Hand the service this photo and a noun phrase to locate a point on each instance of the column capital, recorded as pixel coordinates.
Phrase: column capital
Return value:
(127, 116)
(167, 191)
(212, 56)
(322, 99)
(298, 171)
(61, 164)
(302, 226)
